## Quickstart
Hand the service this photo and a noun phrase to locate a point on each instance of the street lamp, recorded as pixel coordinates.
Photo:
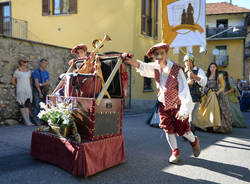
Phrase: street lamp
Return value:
(235, 29)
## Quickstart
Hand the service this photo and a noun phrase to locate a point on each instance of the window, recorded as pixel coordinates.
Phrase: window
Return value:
(149, 18)
(222, 50)
(223, 23)
(221, 59)
(59, 7)
(5, 19)
(147, 86)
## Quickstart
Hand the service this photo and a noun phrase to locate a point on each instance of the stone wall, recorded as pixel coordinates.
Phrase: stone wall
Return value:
(10, 51)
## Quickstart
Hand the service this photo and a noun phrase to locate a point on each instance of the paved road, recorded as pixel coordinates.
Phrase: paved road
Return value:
(224, 158)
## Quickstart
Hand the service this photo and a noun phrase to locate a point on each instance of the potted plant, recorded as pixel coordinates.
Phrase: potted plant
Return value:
(58, 115)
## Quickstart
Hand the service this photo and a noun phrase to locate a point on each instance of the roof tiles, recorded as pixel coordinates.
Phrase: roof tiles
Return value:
(224, 8)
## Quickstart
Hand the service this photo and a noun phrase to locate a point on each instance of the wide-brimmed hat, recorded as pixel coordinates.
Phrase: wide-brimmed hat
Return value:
(151, 51)
(188, 57)
(79, 46)
(23, 59)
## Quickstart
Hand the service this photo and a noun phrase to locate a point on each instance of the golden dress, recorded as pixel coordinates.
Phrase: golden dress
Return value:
(214, 111)
(232, 98)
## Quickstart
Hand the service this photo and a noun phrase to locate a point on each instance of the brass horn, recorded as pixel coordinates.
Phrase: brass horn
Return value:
(98, 43)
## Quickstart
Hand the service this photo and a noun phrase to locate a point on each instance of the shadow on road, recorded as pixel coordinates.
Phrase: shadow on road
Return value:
(238, 172)
(14, 162)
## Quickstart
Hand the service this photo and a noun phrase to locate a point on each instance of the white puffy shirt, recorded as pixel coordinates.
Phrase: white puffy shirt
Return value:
(147, 70)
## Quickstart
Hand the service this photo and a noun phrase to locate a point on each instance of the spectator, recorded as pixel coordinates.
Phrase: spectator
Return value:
(41, 86)
(245, 97)
(239, 85)
(244, 85)
(22, 81)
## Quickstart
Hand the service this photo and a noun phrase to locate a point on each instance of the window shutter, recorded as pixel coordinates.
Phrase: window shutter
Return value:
(143, 17)
(149, 18)
(72, 6)
(45, 7)
(156, 20)
(1, 20)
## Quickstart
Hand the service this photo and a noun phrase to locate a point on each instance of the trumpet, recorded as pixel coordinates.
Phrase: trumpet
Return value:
(88, 65)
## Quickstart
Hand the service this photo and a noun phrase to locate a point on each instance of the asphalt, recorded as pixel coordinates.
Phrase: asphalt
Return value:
(224, 158)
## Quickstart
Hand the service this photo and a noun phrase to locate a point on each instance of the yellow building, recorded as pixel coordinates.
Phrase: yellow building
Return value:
(134, 26)
(69, 22)
(226, 34)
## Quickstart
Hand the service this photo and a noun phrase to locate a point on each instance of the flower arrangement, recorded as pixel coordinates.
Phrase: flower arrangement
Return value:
(59, 113)
(59, 117)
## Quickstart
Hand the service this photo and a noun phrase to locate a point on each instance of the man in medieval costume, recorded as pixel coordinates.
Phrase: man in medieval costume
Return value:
(196, 79)
(175, 101)
(80, 51)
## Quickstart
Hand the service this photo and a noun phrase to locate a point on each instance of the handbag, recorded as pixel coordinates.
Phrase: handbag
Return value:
(44, 89)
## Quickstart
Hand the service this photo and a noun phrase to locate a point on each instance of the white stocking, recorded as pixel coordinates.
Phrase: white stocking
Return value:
(23, 112)
(25, 116)
(189, 136)
(172, 141)
(27, 113)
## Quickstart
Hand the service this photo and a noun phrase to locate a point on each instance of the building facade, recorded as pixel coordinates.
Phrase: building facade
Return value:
(134, 26)
(226, 29)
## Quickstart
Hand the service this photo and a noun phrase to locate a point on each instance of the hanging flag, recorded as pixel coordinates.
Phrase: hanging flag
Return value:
(183, 23)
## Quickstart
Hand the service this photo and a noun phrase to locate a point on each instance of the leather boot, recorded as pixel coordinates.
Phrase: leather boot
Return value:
(175, 157)
(196, 147)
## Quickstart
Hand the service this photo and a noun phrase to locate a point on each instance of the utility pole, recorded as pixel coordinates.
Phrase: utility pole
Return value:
(231, 2)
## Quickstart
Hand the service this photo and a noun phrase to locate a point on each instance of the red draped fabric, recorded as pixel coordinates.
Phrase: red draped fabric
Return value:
(81, 160)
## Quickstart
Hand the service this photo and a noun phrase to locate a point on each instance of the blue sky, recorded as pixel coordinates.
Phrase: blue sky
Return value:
(241, 3)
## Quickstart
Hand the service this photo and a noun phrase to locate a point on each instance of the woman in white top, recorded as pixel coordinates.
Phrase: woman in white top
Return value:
(22, 81)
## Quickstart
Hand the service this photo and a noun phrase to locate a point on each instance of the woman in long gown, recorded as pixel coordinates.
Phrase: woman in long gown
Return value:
(231, 95)
(214, 112)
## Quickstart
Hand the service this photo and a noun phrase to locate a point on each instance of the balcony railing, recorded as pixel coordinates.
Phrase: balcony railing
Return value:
(13, 27)
(241, 32)
(221, 60)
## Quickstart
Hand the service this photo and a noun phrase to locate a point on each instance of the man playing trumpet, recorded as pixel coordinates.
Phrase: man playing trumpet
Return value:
(80, 51)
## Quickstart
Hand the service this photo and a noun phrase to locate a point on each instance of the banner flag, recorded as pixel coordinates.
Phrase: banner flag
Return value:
(183, 23)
